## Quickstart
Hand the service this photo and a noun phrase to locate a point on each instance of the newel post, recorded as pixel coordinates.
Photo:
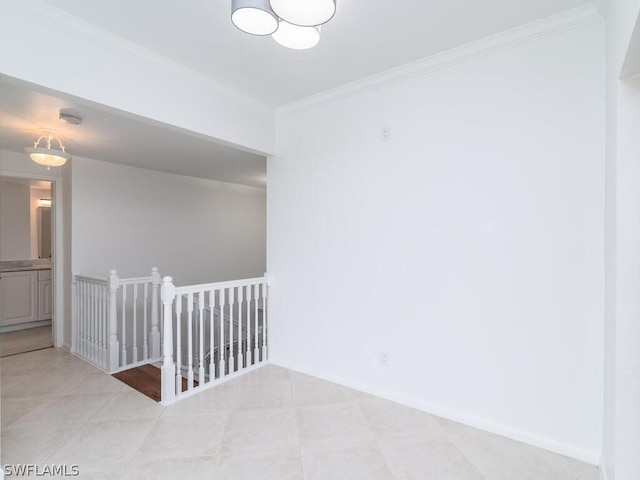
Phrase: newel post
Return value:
(154, 336)
(112, 342)
(265, 288)
(168, 369)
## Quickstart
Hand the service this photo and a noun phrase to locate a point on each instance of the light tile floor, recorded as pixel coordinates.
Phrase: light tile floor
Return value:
(269, 424)
(26, 340)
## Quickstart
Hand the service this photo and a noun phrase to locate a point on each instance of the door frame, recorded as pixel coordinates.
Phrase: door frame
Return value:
(58, 249)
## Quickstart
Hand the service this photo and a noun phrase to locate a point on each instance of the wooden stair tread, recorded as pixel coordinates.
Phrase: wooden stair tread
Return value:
(146, 380)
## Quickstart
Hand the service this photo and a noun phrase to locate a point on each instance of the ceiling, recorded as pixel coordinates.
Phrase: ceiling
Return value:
(364, 38)
(115, 136)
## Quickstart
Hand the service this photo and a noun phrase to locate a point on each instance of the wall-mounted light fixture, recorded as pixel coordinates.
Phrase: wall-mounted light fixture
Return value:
(44, 202)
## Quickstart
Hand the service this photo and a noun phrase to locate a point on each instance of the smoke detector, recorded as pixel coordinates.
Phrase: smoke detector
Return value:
(69, 116)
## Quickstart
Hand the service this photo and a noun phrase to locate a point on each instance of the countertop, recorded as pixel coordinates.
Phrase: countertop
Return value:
(22, 265)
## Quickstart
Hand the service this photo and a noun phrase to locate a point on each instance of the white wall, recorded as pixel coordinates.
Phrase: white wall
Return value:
(469, 247)
(77, 58)
(627, 326)
(195, 230)
(19, 165)
(15, 226)
(621, 445)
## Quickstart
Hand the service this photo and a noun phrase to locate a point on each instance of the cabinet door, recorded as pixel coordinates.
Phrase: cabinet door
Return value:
(45, 300)
(18, 298)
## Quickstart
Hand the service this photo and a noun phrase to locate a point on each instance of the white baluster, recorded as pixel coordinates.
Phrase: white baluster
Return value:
(123, 334)
(112, 345)
(190, 340)
(256, 350)
(80, 316)
(264, 320)
(94, 322)
(134, 335)
(221, 348)
(231, 305)
(103, 326)
(155, 336)
(168, 369)
(249, 358)
(240, 347)
(178, 378)
(79, 306)
(74, 313)
(88, 322)
(212, 327)
(83, 308)
(201, 338)
(92, 319)
(145, 345)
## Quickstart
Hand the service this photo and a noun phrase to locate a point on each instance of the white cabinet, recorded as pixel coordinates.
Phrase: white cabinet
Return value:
(25, 296)
(18, 297)
(45, 295)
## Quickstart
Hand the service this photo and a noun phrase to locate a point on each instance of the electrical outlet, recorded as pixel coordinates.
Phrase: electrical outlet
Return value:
(385, 134)
(384, 358)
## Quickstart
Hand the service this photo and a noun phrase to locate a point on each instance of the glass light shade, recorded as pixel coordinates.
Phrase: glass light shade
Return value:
(305, 13)
(254, 16)
(48, 157)
(296, 37)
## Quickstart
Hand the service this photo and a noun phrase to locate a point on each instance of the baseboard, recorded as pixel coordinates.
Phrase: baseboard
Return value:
(66, 347)
(586, 456)
(24, 326)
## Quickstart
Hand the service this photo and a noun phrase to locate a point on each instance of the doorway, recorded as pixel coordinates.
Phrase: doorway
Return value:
(27, 250)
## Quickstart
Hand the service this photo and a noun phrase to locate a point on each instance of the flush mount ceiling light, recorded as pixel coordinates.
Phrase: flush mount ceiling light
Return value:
(292, 23)
(254, 16)
(296, 37)
(305, 13)
(44, 153)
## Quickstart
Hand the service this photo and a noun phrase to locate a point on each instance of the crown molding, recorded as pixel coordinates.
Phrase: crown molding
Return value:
(527, 33)
(49, 16)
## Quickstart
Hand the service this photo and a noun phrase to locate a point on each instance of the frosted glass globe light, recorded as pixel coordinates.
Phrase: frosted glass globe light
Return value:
(305, 13)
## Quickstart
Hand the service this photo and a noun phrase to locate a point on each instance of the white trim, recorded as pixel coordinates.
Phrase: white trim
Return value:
(58, 263)
(603, 469)
(546, 443)
(46, 14)
(530, 32)
(25, 326)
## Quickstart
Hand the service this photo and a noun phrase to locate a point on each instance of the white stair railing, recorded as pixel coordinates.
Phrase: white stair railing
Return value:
(116, 321)
(90, 338)
(224, 323)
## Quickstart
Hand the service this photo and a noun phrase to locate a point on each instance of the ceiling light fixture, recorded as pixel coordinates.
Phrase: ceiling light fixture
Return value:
(296, 37)
(305, 13)
(254, 16)
(292, 23)
(47, 155)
